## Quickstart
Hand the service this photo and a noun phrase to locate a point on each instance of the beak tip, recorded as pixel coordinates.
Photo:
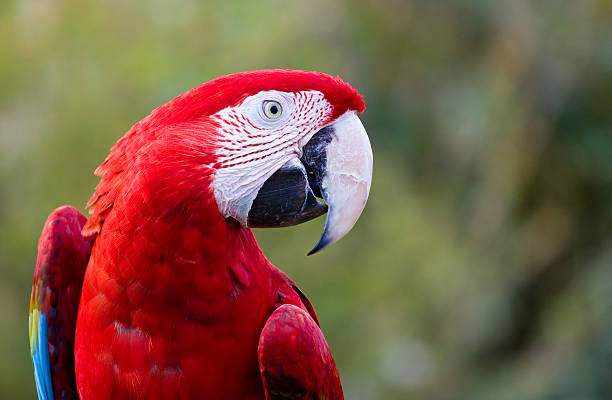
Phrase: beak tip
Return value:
(313, 251)
(323, 242)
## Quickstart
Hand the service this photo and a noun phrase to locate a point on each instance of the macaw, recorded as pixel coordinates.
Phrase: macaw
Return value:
(162, 292)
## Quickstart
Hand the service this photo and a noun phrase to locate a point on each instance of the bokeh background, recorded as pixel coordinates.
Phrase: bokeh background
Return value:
(482, 265)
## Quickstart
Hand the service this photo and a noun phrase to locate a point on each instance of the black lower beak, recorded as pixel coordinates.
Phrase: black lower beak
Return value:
(285, 199)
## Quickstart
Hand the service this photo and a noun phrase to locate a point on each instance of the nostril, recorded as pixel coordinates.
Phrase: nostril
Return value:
(314, 158)
(312, 182)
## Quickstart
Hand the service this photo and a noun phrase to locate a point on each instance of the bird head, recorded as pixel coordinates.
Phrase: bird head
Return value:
(273, 148)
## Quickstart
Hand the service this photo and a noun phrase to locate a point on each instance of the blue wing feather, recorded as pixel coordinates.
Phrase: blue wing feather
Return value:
(40, 358)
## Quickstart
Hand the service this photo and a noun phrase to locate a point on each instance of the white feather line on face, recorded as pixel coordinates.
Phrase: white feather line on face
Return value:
(252, 147)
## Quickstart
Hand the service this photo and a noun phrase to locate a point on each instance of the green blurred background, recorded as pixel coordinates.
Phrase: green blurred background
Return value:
(482, 265)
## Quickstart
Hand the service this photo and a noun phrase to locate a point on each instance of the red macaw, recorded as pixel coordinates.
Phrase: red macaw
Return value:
(163, 292)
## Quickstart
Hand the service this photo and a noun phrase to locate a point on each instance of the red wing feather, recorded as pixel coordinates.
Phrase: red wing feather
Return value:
(294, 358)
(63, 254)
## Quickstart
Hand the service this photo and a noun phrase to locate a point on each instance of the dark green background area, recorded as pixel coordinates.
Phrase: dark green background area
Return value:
(481, 267)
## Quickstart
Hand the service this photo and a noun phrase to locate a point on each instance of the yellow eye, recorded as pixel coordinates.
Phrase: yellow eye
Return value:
(272, 109)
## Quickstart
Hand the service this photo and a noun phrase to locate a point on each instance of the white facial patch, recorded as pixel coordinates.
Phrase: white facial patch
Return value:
(254, 143)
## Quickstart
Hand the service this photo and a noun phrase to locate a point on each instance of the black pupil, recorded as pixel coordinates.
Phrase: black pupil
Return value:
(273, 109)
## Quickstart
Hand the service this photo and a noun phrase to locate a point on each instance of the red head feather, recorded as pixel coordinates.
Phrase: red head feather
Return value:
(196, 105)
(229, 90)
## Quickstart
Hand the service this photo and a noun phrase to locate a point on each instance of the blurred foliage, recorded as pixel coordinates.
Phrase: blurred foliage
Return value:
(482, 266)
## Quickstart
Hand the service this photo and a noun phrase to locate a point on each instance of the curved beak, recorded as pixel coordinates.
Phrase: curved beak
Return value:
(336, 165)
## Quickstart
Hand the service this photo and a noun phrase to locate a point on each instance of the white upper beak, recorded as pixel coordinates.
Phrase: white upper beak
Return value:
(346, 184)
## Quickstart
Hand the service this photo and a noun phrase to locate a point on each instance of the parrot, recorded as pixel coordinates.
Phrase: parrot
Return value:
(162, 292)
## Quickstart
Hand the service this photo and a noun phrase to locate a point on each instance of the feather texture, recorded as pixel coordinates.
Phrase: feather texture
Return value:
(174, 296)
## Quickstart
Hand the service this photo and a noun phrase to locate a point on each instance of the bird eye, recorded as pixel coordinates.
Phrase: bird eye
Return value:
(272, 109)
